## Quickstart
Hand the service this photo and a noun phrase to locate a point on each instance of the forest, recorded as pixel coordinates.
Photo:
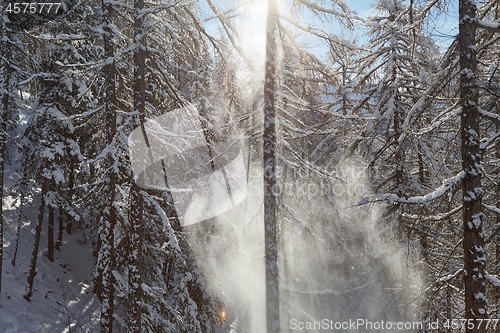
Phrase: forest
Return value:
(250, 166)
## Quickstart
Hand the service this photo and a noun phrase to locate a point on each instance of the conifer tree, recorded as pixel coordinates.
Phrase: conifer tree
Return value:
(473, 225)
(5, 101)
(269, 167)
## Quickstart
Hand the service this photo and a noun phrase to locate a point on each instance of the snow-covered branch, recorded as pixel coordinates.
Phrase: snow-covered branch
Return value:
(438, 217)
(316, 7)
(493, 280)
(450, 276)
(448, 185)
(496, 227)
(493, 26)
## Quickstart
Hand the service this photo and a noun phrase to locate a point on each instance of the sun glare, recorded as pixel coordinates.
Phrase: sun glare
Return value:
(223, 315)
(253, 31)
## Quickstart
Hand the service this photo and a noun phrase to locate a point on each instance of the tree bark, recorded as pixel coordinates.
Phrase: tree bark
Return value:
(270, 183)
(4, 107)
(137, 200)
(135, 259)
(106, 257)
(67, 216)
(34, 253)
(23, 196)
(473, 242)
(60, 228)
(50, 234)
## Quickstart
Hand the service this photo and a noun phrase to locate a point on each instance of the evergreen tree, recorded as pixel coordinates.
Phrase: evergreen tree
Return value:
(270, 181)
(5, 100)
(474, 255)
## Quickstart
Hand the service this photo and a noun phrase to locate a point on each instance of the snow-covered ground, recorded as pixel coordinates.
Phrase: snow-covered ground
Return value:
(62, 298)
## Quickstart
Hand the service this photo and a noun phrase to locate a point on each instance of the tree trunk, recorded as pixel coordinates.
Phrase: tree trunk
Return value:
(4, 107)
(50, 235)
(67, 215)
(105, 279)
(135, 259)
(23, 196)
(473, 243)
(398, 154)
(3, 137)
(7, 95)
(270, 184)
(137, 200)
(34, 254)
(60, 228)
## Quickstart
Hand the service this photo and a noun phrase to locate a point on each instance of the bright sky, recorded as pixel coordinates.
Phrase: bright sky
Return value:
(446, 24)
(251, 25)
(363, 7)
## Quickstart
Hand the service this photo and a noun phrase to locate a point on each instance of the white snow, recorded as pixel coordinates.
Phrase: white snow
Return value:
(488, 25)
(62, 295)
(58, 176)
(448, 184)
(48, 154)
(493, 280)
